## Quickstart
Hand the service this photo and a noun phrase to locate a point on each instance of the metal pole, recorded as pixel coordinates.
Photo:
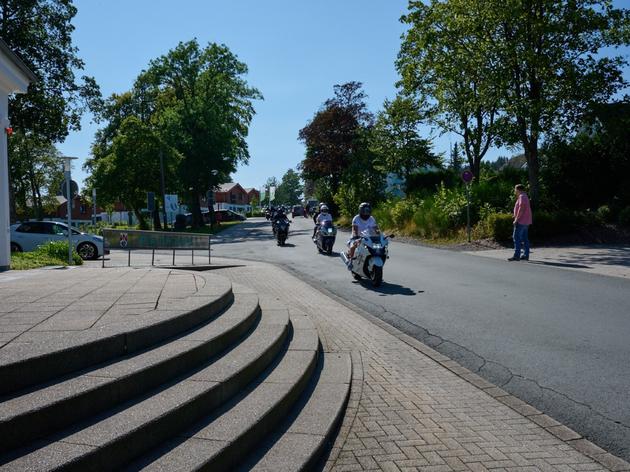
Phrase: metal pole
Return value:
(173, 256)
(163, 187)
(129, 258)
(69, 209)
(468, 210)
(94, 207)
(192, 257)
(152, 256)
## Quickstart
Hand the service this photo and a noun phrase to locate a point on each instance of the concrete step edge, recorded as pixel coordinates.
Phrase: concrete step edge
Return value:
(77, 398)
(224, 454)
(85, 349)
(186, 402)
(310, 431)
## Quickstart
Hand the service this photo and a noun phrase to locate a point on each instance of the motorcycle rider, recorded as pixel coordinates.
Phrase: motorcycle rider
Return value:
(360, 223)
(322, 216)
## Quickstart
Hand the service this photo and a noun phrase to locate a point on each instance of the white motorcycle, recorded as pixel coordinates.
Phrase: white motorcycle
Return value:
(369, 257)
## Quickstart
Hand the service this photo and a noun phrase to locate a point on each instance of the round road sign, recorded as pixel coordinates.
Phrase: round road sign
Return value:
(467, 176)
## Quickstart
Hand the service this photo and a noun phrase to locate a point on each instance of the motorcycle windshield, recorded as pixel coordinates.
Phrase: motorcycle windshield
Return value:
(372, 235)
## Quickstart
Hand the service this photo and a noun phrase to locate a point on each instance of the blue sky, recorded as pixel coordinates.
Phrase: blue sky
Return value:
(296, 51)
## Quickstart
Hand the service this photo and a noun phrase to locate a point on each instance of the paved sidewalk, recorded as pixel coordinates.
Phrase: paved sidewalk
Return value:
(412, 408)
(56, 302)
(597, 259)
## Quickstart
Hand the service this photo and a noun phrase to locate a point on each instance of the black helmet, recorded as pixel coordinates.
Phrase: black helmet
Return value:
(365, 210)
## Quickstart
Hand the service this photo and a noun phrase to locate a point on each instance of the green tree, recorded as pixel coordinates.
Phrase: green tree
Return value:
(203, 107)
(396, 139)
(363, 180)
(443, 64)
(40, 31)
(290, 189)
(547, 52)
(35, 170)
(455, 159)
(131, 168)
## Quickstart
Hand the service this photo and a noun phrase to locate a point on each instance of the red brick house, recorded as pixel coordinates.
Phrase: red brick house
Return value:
(252, 194)
(231, 193)
(81, 209)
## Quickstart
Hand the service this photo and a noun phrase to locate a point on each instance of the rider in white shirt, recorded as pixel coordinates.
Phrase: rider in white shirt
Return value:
(364, 221)
(322, 217)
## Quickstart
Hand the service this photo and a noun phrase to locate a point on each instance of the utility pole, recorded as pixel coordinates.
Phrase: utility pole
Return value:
(163, 187)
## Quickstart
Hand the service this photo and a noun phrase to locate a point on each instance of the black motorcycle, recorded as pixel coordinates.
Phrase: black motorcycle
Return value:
(325, 237)
(281, 230)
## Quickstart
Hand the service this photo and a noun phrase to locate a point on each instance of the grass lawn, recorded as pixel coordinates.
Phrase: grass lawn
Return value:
(53, 253)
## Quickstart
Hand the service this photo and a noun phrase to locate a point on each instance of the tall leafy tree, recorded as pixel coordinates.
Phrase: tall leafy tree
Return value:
(396, 138)
(290, 189)
(35, 171)
(203, 107)
(548, 55)
(40, 31)
(131, 166)
(442, 65)
(333, 136)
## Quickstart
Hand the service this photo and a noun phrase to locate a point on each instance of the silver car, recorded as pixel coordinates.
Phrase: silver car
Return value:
(31, 234)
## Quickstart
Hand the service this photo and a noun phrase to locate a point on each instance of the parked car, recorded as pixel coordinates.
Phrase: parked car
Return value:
(29, 235)
(228, 215)
(297, 210)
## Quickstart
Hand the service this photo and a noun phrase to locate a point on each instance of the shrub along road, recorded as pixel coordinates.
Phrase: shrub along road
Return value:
(557, 339)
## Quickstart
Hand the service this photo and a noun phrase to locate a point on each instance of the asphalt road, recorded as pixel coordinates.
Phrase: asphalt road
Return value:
(557, 339)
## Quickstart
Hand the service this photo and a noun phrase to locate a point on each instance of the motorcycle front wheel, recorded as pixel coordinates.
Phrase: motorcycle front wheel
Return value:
(377, 276)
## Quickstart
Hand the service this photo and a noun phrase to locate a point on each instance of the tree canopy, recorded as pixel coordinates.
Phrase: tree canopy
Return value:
(511, 71)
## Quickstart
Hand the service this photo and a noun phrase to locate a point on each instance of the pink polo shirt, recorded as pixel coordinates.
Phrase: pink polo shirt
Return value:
(522, 210)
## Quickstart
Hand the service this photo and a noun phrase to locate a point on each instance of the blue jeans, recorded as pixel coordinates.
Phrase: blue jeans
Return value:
(520, 236)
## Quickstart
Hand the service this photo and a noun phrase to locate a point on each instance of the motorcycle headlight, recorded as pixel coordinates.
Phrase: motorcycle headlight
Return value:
(330, 230)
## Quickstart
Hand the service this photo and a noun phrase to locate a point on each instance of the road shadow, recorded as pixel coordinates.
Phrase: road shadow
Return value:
(560, 264)
(387, 288)
(288, 245)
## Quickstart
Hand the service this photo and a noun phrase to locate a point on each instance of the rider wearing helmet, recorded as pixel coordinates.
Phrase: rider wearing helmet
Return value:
(322, 216)
(360, 223)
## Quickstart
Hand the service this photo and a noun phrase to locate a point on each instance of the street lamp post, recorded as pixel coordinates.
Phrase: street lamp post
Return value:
(67, 167)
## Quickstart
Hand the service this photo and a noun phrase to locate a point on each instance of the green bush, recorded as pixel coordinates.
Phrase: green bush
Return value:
(604, 214)
(500, 226)
(452, 203)
(624, 217)
(58, 250)
(546, 224)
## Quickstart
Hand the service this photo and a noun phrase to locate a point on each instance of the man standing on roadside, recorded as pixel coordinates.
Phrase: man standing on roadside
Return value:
(522, 220)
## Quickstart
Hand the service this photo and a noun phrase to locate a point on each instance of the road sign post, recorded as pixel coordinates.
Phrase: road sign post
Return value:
(467, 177)
(67, 167)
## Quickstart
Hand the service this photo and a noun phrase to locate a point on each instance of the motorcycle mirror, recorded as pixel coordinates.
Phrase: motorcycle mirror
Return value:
(391, 236)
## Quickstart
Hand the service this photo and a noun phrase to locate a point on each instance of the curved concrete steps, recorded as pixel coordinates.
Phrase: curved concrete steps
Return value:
(32, 362)
(211, 381)
(310, 430)
(28, 416)
(222, 440)
(116, 437)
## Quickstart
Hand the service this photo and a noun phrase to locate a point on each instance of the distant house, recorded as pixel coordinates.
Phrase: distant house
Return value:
(81, 209)
(517, 162)
(252, 194)
(232, 196)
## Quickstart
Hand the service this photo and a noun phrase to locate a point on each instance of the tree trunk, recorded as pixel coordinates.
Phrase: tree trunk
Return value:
(533, 167)
(141, 220)
(197, 219)
(157, 224)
